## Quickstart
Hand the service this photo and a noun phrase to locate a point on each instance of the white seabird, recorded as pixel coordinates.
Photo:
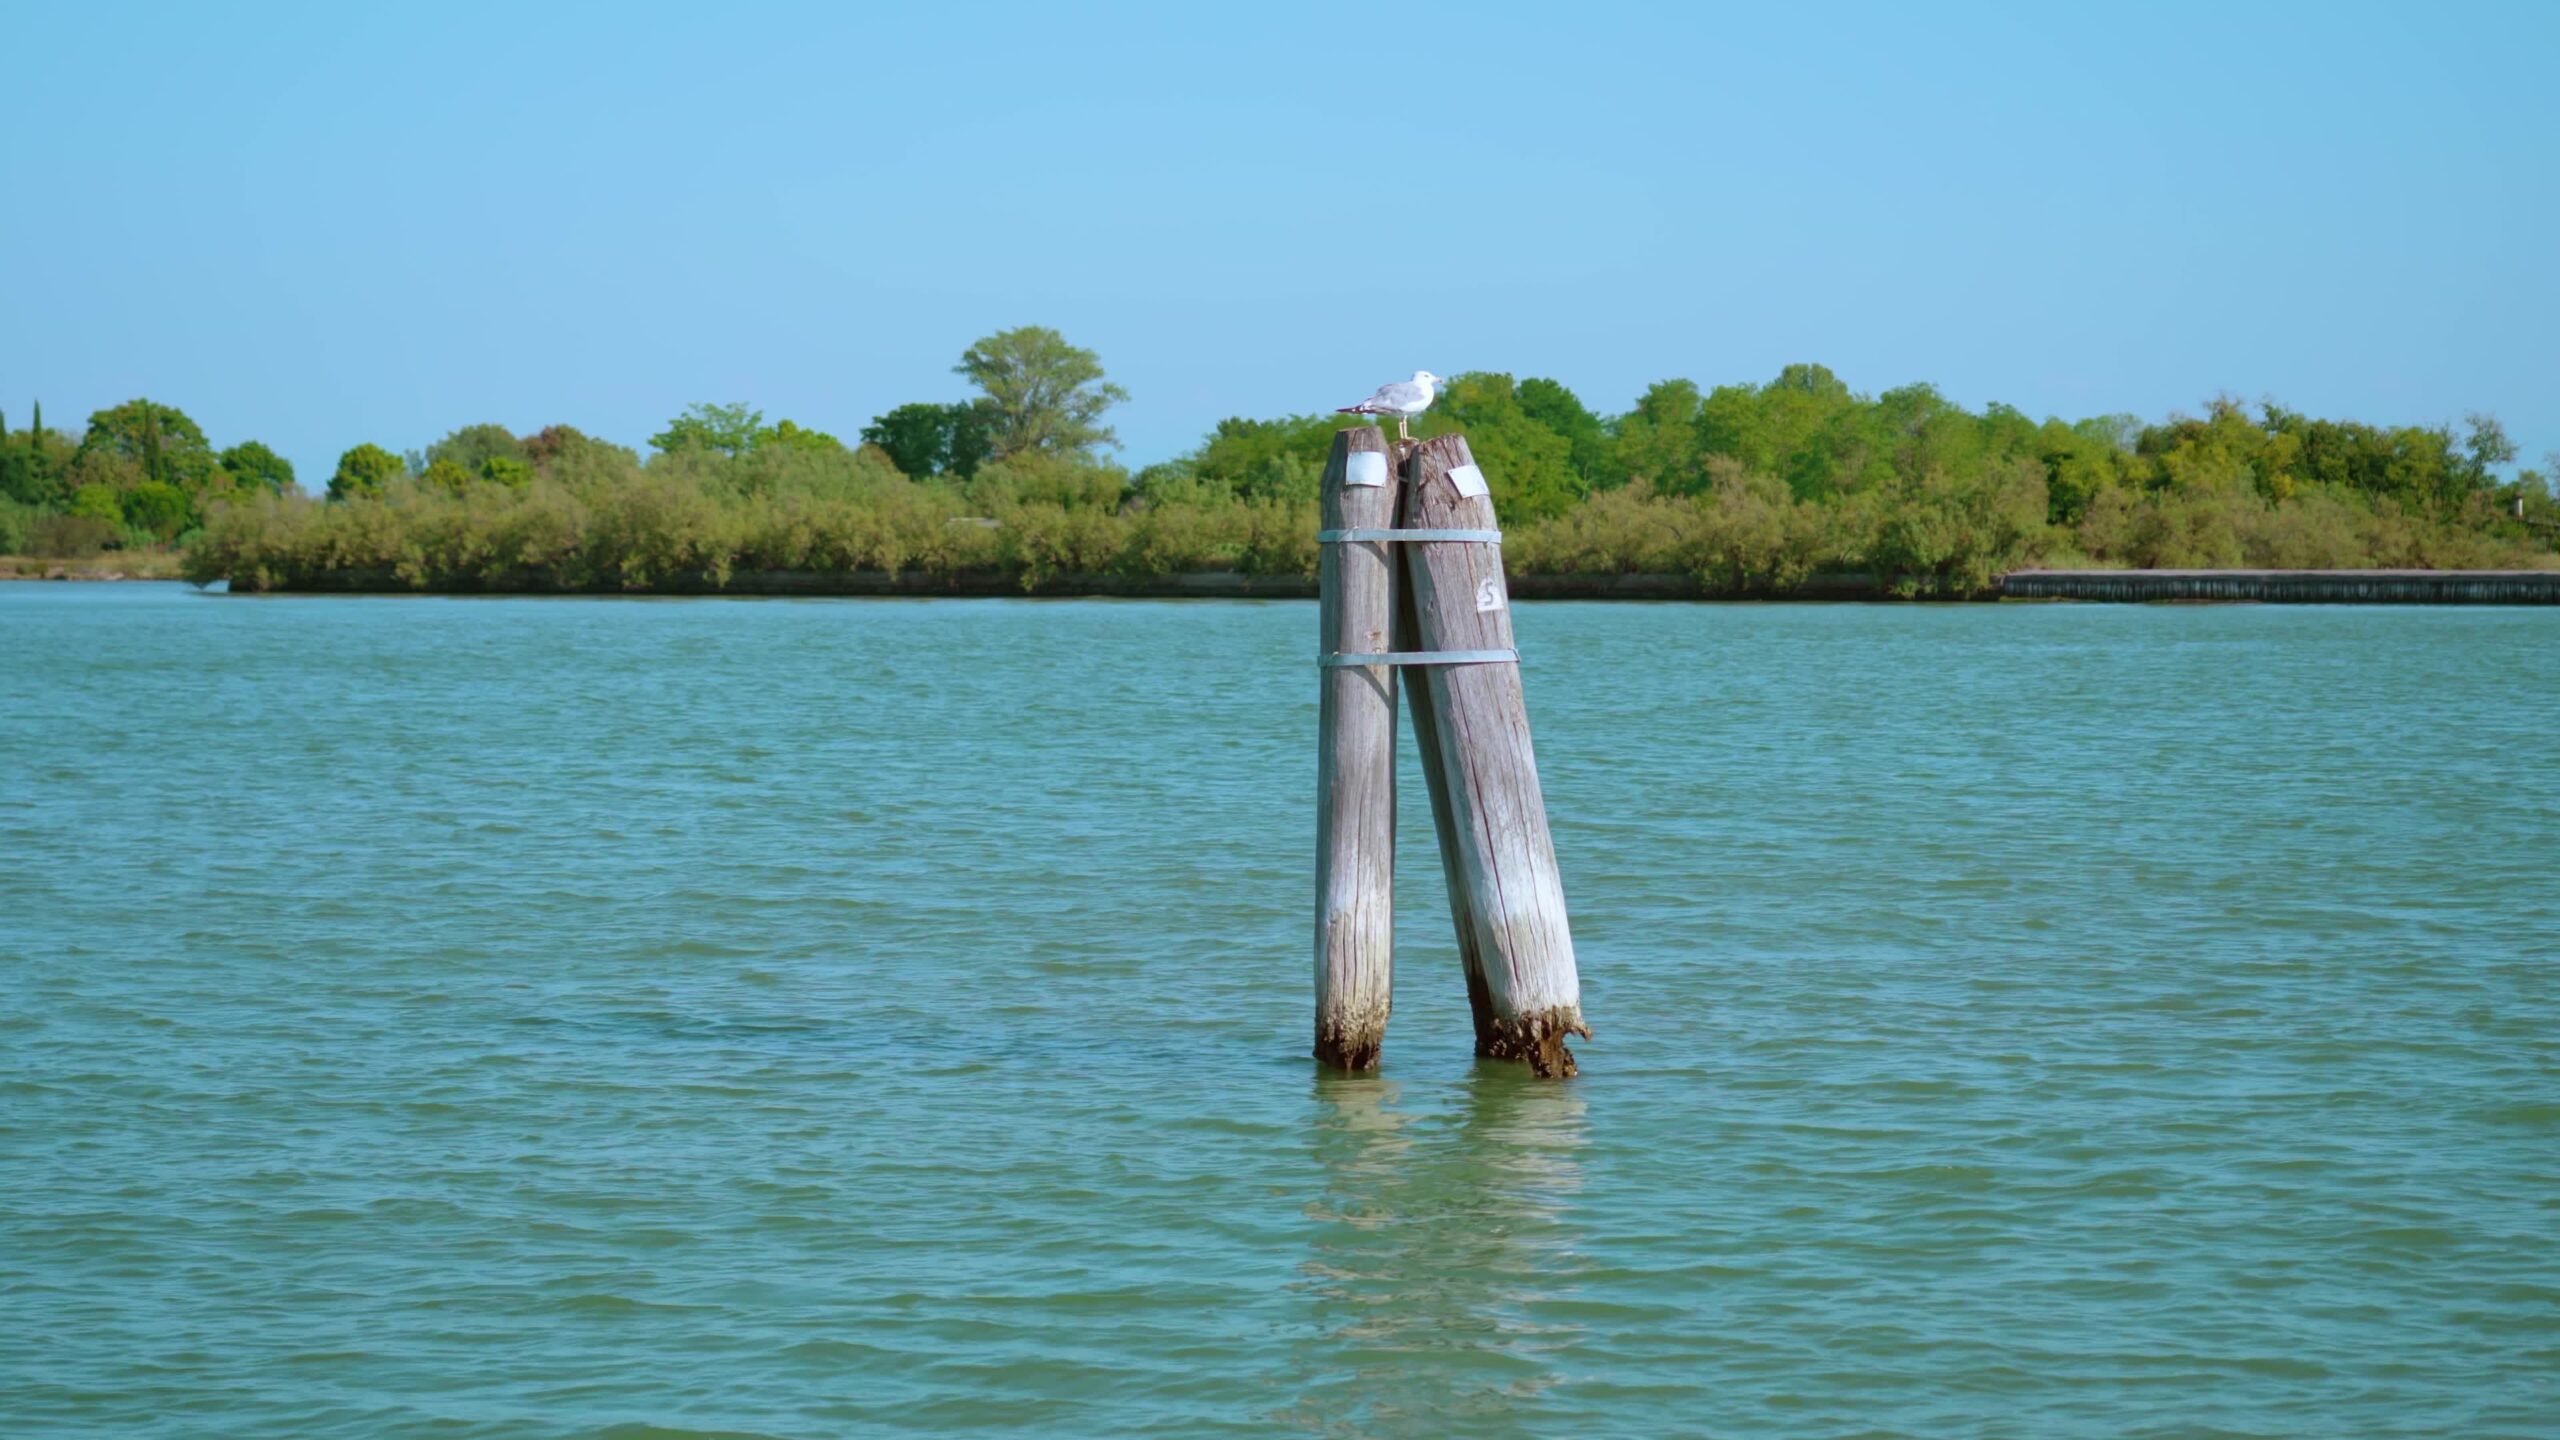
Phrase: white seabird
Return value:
(1403, 399)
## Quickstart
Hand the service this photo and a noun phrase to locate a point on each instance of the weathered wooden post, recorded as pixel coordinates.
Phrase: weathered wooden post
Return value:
(1506, 895)
(1435, 780)
(1355, 755)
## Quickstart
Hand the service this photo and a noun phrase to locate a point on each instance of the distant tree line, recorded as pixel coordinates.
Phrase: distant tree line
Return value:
(141, 474)
(1750, 489)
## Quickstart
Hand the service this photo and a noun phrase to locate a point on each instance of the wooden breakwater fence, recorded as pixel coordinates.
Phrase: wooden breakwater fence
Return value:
(2291, 587)
(1410, 584)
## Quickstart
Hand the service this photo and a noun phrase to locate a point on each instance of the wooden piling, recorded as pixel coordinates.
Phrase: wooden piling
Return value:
(1435, 781)
(1356, 758)
(1506, 894)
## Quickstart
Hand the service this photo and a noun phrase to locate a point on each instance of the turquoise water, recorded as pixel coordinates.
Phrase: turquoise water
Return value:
(468, 1018)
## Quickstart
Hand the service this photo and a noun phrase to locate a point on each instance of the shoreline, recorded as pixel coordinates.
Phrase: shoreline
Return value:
(1195, 584)
(147, 566)
(2404, 587)
(2288, 587)
(2343, 587)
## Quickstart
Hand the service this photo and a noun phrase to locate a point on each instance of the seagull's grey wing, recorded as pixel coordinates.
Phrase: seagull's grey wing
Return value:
(1403, 395)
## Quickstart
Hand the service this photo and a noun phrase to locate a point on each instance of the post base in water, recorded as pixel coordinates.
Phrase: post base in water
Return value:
(1351, 1050)
(1349, 1036)
(1538, 1039)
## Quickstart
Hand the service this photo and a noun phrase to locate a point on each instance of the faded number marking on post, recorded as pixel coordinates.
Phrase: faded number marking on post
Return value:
(1367, 467)
(1488, 594)
(1470, 483)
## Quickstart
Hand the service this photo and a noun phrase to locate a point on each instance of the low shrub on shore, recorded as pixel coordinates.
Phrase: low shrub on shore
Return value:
(656, 527)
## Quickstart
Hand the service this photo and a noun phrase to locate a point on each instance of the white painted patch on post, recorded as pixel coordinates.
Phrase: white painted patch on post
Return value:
(1488, 595)
(1469, 480)
(1367, 467)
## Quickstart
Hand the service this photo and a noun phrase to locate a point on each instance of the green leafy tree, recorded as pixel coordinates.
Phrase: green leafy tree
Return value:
(2079, 462)
(925, 439)
(158, 507)
(364, 470)
(37, 479)
(97, 502)
(723, 429)
(1550, 404)
(916, 438)
(1265, 459)
(1803, 426)
(2412, 469)
(1658, 440)
(252, 466)
(102, 469)
(1046, 395)
(973, 437)
(2487, 447)
(1529, 466)
(160, 438)
(473, 446)
(446, 474)
(546, 444)
(32, 462)
(568, 455)
(506, 470)
(739, 431)
(790, 435)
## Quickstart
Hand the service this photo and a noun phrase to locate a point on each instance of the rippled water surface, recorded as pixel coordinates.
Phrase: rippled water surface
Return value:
(469, 1018)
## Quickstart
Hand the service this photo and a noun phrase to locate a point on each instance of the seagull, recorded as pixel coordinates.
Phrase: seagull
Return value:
(1403, 399)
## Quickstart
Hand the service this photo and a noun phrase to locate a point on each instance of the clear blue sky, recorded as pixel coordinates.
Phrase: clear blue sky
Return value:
(318, 225)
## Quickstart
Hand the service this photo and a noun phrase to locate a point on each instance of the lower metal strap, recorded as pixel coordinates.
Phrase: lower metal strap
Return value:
(1356, 536)
(1421, 657)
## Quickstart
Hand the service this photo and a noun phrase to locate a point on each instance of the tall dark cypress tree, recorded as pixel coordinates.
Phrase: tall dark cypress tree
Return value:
(36, 479)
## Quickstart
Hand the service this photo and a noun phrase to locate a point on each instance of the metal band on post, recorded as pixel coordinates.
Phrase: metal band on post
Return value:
(1422, 657)
(1362, 536)
(1426, 536)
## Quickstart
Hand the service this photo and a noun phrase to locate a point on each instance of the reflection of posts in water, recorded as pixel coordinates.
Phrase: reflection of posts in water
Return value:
(1439, 1234)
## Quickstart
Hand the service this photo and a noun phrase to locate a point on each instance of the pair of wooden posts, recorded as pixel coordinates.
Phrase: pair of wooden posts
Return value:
(1411, 578)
